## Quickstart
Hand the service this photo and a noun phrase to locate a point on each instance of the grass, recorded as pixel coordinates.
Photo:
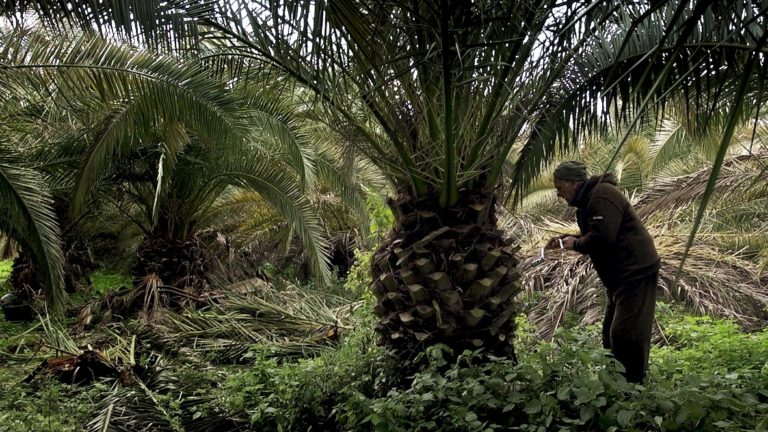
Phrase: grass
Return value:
(5, 271)
(106, 281)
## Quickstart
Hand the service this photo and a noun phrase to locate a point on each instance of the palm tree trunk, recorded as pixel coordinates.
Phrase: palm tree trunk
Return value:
(26, 281)
(446, 275)
(78, 266)
(178, 263)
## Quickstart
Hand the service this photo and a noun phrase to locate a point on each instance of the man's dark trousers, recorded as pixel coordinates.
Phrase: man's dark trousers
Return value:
(628, 324)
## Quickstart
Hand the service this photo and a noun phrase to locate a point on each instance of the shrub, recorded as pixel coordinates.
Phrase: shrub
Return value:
(569, 384)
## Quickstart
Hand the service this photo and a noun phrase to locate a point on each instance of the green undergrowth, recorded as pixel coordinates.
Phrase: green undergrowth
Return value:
(47, 405)
(705, 375)
(103, 282)
(716, 379)
(5, 271)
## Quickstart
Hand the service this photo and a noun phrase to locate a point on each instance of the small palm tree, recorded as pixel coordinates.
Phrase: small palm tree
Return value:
(169, 137)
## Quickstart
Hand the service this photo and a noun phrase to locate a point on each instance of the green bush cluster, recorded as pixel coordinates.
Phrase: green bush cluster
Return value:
(306, 393)
(359, 278)
(569, 384)
(45, 406)
(103, 282)
(566, 386)
(707, 375)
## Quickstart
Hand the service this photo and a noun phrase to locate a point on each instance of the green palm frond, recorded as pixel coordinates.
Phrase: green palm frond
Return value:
(153, 20)
(439, 96)
(741, 178)
(665, 58)
(26, 202)
(286, 197)
(154, 108)
(57, 338)
(278, 126)
(134, 84)
(351, 192)
(669, 144)
(243, 214)
(539, 201)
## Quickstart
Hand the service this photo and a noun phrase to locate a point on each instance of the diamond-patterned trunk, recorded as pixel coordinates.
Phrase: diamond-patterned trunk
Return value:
(178, 263)
(446, 275)
(26, 281)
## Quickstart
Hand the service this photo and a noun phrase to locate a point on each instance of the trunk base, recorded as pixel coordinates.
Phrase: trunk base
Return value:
(446, 276)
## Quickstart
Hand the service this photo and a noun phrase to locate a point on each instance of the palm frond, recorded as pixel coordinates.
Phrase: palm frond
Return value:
(151, 20)
(286, 197)
(25, 199)
(131, 410)
(740, 178)
(667, 55)
(135, 83)
(291, 322)
(712, 282)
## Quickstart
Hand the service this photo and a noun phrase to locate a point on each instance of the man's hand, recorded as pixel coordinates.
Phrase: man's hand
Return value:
(553, 243)
(568, 242)
(556, 242)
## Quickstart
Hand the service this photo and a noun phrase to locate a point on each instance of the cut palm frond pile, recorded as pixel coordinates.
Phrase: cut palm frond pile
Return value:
(284, 323)
(72, 363)
(141, 407)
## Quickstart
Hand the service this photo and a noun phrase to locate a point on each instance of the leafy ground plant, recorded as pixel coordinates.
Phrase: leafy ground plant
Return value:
(706, 375)
(570, 384)
(105, 281)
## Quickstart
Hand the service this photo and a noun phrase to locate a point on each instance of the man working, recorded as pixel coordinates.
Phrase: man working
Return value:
(624, 257)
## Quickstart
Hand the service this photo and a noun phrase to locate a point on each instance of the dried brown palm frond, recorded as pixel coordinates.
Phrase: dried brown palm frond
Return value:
(290, 322)
(563, 284)
(741, 178)
(531, 233)
(712, 282)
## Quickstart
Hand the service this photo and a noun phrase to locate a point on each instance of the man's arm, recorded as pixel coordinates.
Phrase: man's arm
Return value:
(604, 220)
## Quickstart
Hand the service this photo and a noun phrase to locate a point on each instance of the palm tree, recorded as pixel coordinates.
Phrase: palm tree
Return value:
(169, 137)
(437, 93)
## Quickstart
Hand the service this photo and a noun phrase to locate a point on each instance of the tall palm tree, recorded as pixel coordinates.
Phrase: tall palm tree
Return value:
(437, 93)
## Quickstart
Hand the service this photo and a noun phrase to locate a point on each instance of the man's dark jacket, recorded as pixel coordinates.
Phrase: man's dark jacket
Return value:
(612, 234)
